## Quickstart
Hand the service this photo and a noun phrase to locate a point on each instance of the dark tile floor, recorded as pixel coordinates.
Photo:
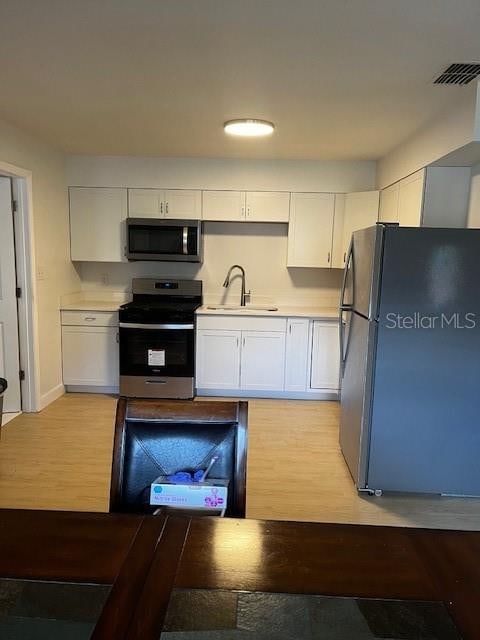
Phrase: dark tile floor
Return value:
(230, 615)
(34, 610)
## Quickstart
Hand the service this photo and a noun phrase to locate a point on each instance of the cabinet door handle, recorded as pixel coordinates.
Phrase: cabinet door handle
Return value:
(290, 329)
(90, 318)
(328, 257)
(248, 211)
(244, 342)
(166, 208)
(161, 208)
(117, 337)
(345, 256)
(243, 212)
(238, 342)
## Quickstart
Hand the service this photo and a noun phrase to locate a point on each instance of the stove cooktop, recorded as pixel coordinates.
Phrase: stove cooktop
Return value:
(160, 301)
(158, 311)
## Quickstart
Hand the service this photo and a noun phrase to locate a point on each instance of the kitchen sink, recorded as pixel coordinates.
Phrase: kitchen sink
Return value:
(249, 307)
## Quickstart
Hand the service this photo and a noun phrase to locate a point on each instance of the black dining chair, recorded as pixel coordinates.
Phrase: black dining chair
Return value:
(161, 437)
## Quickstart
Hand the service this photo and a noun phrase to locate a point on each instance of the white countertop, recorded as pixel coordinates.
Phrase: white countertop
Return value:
(318, 313)
(91, 305)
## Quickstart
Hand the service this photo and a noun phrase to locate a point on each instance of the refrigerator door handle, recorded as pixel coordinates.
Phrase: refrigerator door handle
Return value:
(341, 333)
(348, 261)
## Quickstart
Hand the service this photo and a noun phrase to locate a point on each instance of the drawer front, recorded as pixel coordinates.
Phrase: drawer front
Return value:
(90, 318)
(239, 323)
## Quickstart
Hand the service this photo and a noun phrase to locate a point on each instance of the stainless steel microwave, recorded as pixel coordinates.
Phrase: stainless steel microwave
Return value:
(164, 240)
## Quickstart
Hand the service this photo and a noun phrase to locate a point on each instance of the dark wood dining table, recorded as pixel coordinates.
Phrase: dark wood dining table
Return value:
(145, 557)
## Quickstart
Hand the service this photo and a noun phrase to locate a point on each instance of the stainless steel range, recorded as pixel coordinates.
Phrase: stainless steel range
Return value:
(157, 339)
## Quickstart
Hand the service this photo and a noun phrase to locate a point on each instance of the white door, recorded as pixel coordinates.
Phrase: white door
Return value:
(388, 209)
(183, 203)
(325, 356)
(90, 356)
(145, 203)
(224, 205)
(296, 359)
(218, 359)
(263, 361)
(267, 206)
(410, 200)
(361, 211)
(97, 224)
(9, 346)
(310, 230)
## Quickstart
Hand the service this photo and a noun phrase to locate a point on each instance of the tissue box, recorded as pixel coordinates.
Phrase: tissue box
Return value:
(209, 495)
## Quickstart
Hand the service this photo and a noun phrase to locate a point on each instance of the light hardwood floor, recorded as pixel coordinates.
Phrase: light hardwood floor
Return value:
(60, 459)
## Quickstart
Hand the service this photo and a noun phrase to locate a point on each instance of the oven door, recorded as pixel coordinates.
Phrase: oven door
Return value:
(170, 240)
(157, 350)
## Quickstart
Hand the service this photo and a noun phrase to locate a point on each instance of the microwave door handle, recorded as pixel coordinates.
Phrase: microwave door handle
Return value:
(185, 241)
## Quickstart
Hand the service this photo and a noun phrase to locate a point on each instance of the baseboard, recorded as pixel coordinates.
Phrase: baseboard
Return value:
(50, 396)
(77, 388)
(279, 395)
(8, 417)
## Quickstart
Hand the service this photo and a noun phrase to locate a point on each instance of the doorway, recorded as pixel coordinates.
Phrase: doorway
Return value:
(9, 336)
(19, 347)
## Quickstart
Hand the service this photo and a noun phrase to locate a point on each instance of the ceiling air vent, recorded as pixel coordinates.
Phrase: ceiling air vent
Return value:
(459, 73)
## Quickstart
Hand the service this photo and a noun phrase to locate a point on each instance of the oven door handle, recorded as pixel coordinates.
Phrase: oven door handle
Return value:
(137, 325)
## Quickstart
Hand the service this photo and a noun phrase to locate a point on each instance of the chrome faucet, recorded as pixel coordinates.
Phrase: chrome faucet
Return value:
(244, 294)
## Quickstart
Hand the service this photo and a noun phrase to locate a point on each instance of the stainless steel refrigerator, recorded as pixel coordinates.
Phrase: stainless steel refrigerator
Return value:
(410, 360)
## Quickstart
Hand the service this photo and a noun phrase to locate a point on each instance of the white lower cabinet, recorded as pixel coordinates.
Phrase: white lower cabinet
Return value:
(325, 370)
(296, 356)
(218, 359)
(277, 357)
(262, 361)
(90, 349)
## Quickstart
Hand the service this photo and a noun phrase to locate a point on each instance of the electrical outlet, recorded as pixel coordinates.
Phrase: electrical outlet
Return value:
(40, 273)
(104, 279)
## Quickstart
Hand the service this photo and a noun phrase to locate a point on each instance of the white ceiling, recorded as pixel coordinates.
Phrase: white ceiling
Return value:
(342, 79)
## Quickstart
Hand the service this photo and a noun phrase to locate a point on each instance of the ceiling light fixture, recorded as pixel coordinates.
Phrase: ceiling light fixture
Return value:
(248, 127)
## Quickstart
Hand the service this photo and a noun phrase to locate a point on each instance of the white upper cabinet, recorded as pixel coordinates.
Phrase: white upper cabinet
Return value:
(402, 202)
(310, 230)
(183, 204)
(361, 211)
(388, 209)
(267, 206)
(145, 203)
(250, 206)
(170, 203)
(224, 205)
(325, 356)
(97, 224)
(410, 200)
(431, 197)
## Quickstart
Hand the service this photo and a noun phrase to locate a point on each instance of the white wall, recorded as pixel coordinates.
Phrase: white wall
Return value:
(457, 127)
(191, 173)
(51, 239)
(260, 248)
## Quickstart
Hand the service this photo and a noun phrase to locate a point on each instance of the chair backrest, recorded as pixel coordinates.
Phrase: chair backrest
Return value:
(158, 437)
